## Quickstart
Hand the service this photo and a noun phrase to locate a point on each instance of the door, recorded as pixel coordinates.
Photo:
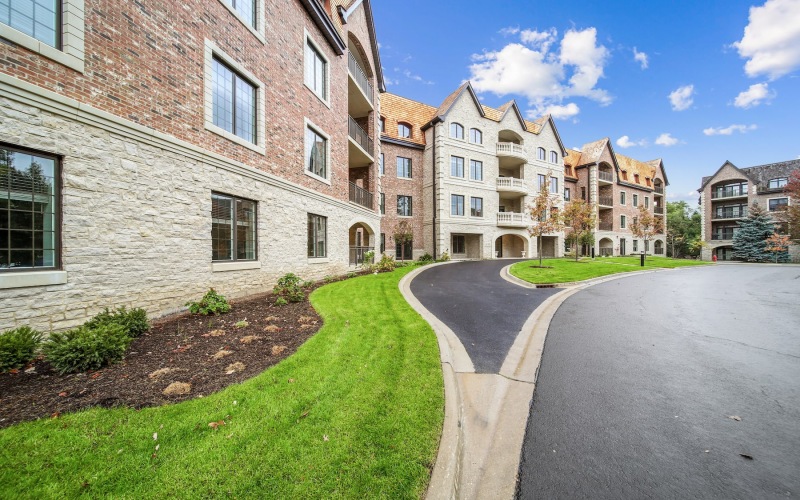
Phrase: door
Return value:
(498, 247)
(622, 246)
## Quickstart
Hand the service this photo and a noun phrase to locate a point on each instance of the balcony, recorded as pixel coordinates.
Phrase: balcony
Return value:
(512, 219)
(357, 256)
(359, 90)
(722, 236)
(606, 226)
(603, 176)
(361, 196)
(510, 154)
(658, 210)
(511, 185)
(605, 201)
(735, 192)
(738, 213)
(360, 145)
(659, 189)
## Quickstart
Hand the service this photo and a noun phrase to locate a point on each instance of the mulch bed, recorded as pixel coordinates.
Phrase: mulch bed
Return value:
(180, 348)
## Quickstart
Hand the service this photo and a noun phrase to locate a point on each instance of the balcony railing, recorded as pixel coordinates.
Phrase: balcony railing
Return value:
(605, 176)
(359, 76)
(512, 219)
(658, 210)
(606, 252)
(512, 183)
(361, 196)
(357, 255)
(729, 214)
(659, 189)
(359, 135)
(659, 251)
(605, 201)
(606, 226)
(728, 192)
(510, 148)
(722, 236)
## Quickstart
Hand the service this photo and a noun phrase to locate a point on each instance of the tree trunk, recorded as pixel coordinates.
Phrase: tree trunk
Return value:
(540, 250)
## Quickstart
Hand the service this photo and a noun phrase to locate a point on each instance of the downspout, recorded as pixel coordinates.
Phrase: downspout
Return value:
(433, 172)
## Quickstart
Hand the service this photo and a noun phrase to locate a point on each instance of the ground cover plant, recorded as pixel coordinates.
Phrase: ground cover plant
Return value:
(17, 347)
(355, 412)
(568, 270)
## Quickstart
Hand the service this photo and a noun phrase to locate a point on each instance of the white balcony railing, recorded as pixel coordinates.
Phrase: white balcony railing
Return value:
(512, 219)
(509, 148)
(510, 184)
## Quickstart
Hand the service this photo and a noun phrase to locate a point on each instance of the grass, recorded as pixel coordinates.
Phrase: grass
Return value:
(567, 270)
(356, 412)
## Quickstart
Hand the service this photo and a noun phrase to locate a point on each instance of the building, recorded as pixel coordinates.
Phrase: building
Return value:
(617, 186)
(726, 196)
(480, 167)
(146, 156)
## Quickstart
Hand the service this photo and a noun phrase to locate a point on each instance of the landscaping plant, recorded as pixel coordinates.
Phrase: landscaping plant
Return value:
(86, 347)
(291, 288)
(18, 347)
(134, 321)
(211, 303)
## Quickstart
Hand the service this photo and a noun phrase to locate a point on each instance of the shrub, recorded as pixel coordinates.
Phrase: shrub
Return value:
(426, 257)
(386, 264)
(290, 287)
(86, 348)
(444, 257)
(134, 321)
(211, 303)
(17, 347)
(281, 301)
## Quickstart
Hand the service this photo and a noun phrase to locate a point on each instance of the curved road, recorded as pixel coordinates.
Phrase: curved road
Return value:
(640, 377)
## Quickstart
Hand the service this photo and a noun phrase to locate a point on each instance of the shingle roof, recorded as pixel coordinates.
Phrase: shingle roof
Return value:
(395, 108)
(635, 167)
(449, 100)
(592, 151)
(759, 174)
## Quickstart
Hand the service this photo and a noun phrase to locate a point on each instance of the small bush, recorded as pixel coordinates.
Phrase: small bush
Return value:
(444, 257)
(211, 303)
(18, 347)
(290, 287)
(281, 301)
(134, 321)
(328, 279)
(426, 257)
(386, 264)
(86, 348)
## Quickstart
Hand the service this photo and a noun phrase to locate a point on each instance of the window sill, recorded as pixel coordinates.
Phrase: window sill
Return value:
(404, 178)
(69, 60)
(315, 176)
(318, 260)
(235, 138)
(217, 267)
(32, 278)
(324, 101)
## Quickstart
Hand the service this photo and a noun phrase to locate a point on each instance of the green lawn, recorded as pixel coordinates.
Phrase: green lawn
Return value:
(356, 412)
(567, 270)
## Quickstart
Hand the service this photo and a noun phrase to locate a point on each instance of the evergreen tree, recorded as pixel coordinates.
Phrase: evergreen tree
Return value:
(750, 240)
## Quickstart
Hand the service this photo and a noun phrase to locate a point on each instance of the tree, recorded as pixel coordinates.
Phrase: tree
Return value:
(683, 227)
(545, 216)
(750, 240)
(403, 233)
(790, 214)
(579, 221)
(646, 226)
(778, 245)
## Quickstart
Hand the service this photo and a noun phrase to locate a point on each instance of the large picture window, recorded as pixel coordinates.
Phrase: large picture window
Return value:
(404, 167)
(29, 215)
(233, 102)
(317, 236)
(316, 153)
(233, 228)
(316, 71)
(36, 18)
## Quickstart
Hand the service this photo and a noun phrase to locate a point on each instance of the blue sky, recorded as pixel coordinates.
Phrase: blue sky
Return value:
(692, 82)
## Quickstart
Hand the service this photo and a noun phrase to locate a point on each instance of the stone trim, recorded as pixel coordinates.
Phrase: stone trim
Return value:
(235, 266)
(258, 31)
(33, 278)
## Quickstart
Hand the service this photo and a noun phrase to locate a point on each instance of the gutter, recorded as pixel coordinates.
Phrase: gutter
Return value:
(433, 172)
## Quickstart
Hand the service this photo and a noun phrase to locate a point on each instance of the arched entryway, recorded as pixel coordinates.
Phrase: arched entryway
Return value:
(510, 245)
(658, 247)
(361, 241)
(606, 247)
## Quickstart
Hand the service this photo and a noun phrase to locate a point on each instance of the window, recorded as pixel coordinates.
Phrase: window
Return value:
(381, 168)
(554, 185)
(316, 153)
(635, 200)
(30, 230)
(476, 170)
(646, 202)
(542, 180)
(383, 204)
(778, 203)
(540, 153)
(476, 207)
(316, 74)
(635, 245)
(553, 157)
(383, 242)
(646, 245)
(459, 243)
(583, 193)
(233, 228)
(622, 197)
(404, 167)
(403, 130)
(778, 183)
(403, 251)
(475, 136)
(317, 236)
(622, 222)
(382, 124)
(38, 19)
(233, 102)
(566, 194)
(636, 178)
(456, 166)
(404, 205)
(456, 204)
(457, 131)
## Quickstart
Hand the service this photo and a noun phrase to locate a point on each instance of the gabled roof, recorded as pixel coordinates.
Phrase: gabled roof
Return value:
(395, 108)
(538, 125)
(658, 163)
(326, 25)
(592, 152)
(451, 99)
(707, 179)
(758, 174)
(345, 8)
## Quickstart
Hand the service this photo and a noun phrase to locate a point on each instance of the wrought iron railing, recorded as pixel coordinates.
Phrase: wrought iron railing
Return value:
(360, 135)
(728, 192)
(605, 176)
(606, 226)
(659, 189)
(607, 201)
(357, 255)
(361, 196)
(735, 213)
(359, 76)
(658, 210)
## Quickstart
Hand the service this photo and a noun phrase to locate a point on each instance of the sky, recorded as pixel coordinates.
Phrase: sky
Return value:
(694, 83)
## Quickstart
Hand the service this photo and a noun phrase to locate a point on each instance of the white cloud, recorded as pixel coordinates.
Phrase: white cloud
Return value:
(754, 96)
(729, 130)
(681, 98)
(543, 74)
(412, 76)
(509, 31)
(640, 57)
(771, 41)
(626, 142)
(560, 112)
(666, 139)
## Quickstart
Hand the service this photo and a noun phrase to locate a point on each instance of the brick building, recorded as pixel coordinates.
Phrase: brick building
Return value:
(147, 155)
(617, 186)
(726, 196)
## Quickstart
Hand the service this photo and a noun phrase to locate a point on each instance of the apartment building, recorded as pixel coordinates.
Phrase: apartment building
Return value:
(473, 171)
(617, 186)
(147, 154)
(726, 196)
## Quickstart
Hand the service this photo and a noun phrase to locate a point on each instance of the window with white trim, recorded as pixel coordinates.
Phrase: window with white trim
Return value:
(778, 203)
(233, 228)
(554, 185)
(566, 194)
(38, 19)
(553, 157)
(476, 170)
(540, 154)
(623, 222)
(246, 10)
(475, 136)
(316, 156)
(635, 200)
(622, 197)
(403, 167)
(459, 244)
(316, 70)
(317, 236)
(476, 207)
(542, 180)
(456, 166)
(404, 205)
(457, 131)
(381, 167)
(456, 204)
(777, 183)
(234, 102)
(403, 130)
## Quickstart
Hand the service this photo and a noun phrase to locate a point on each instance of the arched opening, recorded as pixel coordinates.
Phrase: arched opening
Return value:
(510, 246)
(361, 240)
(658, 247)
(511, 154)
(509, 136)
(606, 247)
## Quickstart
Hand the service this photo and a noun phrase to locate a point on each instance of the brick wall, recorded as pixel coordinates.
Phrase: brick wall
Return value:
(393, 186)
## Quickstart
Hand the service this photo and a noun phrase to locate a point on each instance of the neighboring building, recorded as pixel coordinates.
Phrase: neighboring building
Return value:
(483, 164)
(617, 185)
(144, 159)
(726, 196)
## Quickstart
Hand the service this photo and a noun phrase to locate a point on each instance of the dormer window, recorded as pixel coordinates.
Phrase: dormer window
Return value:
(540, 154)
(647, 181)
(457, 131)
(404, 130)
(382, 124)
(778, 183)
(624, 174)
(636, 178)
